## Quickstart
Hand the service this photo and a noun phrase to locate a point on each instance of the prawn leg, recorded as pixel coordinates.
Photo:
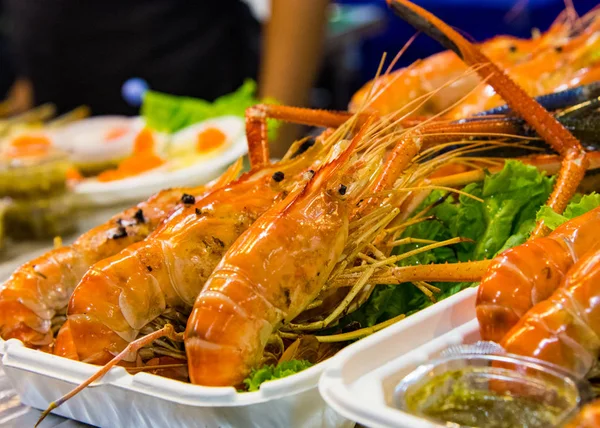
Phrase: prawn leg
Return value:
(426, 136)
(448, 272)
(256, 125)
(559, 138)
(131, 348)
(550, 164)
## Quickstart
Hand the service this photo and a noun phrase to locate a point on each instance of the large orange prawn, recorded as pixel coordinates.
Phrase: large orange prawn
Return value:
(393, 91)
(269, 276)
(34, 299)
(566, 65)
(564, 329)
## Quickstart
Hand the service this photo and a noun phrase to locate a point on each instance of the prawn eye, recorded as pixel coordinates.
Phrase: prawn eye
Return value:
(512, 48)
(342, 189)
(188, 199)
(558, 49)
(139, 216)
(278, 176)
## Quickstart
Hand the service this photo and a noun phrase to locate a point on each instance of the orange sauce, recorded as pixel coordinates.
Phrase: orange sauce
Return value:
(210, 139)
(73, 174)
(142, 159)
(28, 145)
(144, 142)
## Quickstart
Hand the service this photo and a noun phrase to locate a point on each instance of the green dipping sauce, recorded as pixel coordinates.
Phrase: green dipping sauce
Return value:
(460, 396)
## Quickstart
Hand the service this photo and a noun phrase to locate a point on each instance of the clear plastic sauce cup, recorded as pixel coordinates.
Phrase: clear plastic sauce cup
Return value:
(466, 387)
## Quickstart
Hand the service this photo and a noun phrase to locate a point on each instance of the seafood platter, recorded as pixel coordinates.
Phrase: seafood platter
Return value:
(428, 260)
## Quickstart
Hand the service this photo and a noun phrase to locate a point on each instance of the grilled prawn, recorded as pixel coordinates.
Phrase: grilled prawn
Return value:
(564, 329)
(34, 298)
(269, 276)
(528, 274)
(449, 77)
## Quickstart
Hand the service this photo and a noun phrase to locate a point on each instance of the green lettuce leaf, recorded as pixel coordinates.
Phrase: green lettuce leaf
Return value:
(270, 372)
(551, 219)
(511, 199)
(170, 113)
(579, 205)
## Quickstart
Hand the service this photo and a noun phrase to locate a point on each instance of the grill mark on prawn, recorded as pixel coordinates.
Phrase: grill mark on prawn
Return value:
(230, 271)
(219, 295)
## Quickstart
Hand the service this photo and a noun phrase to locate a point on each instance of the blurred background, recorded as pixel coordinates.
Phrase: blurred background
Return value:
(204, 62)
(70, 50)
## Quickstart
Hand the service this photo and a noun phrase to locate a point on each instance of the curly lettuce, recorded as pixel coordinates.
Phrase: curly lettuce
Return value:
(578, 206)
(511, 199)
(270, 372)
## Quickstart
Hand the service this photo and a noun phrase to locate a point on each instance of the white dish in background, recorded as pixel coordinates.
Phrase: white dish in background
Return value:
(86, 140)
(361, 385)
(121, 399)
(201, 171)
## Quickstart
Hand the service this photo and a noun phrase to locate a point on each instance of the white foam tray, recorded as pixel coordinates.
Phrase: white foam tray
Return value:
(362, 383)
(124, 400)
(145, 400)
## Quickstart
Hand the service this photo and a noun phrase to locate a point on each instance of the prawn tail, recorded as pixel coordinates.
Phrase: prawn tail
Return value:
(31, 296)
(563, 329)
(19, 322)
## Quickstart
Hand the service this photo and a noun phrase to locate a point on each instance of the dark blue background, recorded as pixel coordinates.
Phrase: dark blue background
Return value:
(480, 19)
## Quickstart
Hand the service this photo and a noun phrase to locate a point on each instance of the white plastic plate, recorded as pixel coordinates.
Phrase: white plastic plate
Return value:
(144, 400)
(360, 386)
(86, 140)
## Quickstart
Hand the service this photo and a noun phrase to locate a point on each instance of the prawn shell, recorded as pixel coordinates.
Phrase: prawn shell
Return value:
(511, 285)
(522, 276)
(565, 328)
